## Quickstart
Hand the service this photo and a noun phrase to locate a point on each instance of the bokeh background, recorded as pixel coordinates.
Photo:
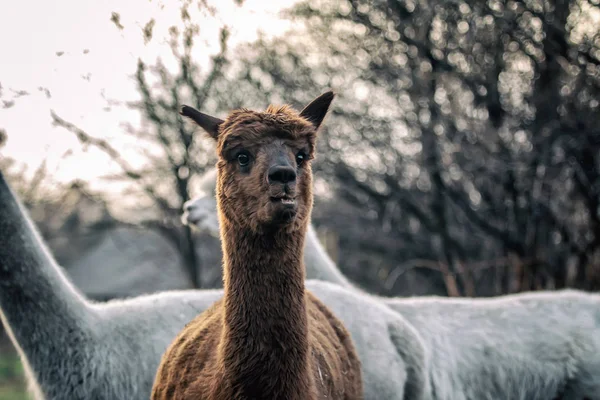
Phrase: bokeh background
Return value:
(461, 157)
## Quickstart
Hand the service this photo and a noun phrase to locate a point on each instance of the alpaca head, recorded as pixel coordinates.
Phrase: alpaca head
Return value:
(201, 211)
(264, 176)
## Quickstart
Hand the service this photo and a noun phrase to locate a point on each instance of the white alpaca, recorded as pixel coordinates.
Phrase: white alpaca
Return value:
(77, 350)
(201, 212)
(524, 346)
(539, 345)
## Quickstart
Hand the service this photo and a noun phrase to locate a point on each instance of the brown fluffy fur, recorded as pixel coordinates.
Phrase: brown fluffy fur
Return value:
(268, 338)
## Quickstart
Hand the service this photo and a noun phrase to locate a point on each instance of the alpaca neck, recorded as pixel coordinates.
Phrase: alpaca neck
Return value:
(318, 263)
(265, 318)
(37, 302)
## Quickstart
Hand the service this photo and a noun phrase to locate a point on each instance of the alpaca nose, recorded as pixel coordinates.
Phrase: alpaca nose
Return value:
(282, 174)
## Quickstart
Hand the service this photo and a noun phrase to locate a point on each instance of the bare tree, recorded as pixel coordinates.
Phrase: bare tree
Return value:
(174, 154)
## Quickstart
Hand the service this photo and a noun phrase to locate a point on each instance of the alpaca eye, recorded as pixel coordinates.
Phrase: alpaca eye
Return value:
(300, 157)
(243, 159)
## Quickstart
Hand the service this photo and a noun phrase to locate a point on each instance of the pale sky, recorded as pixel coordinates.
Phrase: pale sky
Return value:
(97, 58)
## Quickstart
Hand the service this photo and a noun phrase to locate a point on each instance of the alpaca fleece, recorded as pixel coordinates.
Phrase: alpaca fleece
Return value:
(194, 351)
(268, 338)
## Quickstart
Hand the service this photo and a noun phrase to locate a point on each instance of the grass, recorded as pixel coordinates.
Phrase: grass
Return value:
(12, 382)
(13, 393)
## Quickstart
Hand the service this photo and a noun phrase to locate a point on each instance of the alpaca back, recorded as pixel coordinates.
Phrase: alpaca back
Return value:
(520, 346)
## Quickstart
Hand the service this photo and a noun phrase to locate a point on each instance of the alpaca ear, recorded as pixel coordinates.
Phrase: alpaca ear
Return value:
(315, 112)
(208, 123)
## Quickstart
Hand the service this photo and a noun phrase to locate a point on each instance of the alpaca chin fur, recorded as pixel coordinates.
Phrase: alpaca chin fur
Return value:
(268, 338)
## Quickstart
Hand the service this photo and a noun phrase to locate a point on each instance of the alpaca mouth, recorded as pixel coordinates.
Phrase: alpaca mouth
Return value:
(285, 200)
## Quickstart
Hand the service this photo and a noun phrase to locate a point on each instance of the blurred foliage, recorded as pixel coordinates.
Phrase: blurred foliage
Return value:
(175, 155)
(66, 215)
(462, 155)
(465, 139)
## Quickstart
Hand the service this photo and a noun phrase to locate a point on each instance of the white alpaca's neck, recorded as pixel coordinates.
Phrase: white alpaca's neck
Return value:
(318, 263)
(37, 301)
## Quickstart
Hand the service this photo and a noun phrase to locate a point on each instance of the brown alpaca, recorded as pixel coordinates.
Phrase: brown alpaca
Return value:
(268, 338)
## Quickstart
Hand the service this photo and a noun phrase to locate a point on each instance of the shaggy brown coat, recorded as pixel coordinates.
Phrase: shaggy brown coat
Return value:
(268, 338)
